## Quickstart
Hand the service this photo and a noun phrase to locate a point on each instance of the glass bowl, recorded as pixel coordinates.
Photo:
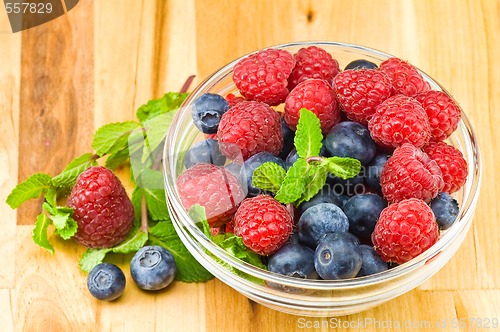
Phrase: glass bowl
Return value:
(321, 298)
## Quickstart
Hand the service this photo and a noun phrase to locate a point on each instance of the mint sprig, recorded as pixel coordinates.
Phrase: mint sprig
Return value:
(309, 172)
(116, 144)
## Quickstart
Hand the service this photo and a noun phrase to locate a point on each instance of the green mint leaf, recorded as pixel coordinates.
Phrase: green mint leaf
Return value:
(62, 219)
(51, 196)
(188, 269)
(294, 183)
(343, 167)
(67, 177)
(117, 159)
(134, 241)
(69, 229)
(197, 213)
(308, 135)
(91, 258)
(136, 199)
(52, 210)
(157, 204)
(234, 245)
(152, 185)
(30, 188)
(59, 220)
(268, 176)
(156, 130)
(40, 232)
(113, 137)
(316, 180)
(168, 102)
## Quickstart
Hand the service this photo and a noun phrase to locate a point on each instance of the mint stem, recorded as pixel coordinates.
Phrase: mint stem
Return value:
(144, 215)
(187, 84)
(315, 158)
(156, 166)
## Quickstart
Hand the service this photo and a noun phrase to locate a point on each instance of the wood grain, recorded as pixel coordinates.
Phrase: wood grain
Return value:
(9, 127)
(56, 96)
(97, 64)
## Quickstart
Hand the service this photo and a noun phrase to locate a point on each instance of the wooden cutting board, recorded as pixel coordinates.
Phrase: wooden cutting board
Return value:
(101, 61)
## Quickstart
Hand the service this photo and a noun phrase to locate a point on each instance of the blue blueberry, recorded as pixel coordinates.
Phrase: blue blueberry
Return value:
(374, 169)
(288, 137)
(153, 268)
(106, 282)
(319, 220)
(251, 165)
(207, 111)
(372, 263)
(293, 260)
(445, 209)
(351, 139)
(338, 256)
(349, 187)
(206, 152)
(363, 212)
(236, 170)
(291, 158)
(325, 195)
(361, 64)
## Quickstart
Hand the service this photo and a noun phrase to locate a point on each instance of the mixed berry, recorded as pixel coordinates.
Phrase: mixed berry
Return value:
(334, 224)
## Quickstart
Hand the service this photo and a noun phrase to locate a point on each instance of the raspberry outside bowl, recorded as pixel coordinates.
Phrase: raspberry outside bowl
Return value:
(320, 298)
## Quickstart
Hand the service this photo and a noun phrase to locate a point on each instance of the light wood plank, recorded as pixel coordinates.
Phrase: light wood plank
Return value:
(478, 305)
(123, 62)
(50, 292)
(471, 268)
(400, 314)
(6, 317)
(9, 127)
(175, 46)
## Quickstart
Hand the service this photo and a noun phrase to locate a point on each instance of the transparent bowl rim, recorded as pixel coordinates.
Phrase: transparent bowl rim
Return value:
(466, 212)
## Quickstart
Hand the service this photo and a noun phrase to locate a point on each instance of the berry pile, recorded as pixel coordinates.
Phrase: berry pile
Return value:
(385, 117)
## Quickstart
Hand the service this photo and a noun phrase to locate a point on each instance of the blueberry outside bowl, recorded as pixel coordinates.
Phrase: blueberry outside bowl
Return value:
(315, 297)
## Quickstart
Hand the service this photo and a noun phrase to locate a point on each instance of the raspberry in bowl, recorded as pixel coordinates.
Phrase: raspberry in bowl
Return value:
(422, 168)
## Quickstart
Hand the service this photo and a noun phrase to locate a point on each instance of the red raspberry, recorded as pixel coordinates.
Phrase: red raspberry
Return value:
(318, 97)
(404, 230)
(263, 76)
(250, 127)
(410, 173)
(263, 223)
(359, 92)
(405, 78)
(451, 162)
(233, 100)
(398, 120)
(214, 188)
(313, 62)
(102, 209)
(229, 227)
(442, 111)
